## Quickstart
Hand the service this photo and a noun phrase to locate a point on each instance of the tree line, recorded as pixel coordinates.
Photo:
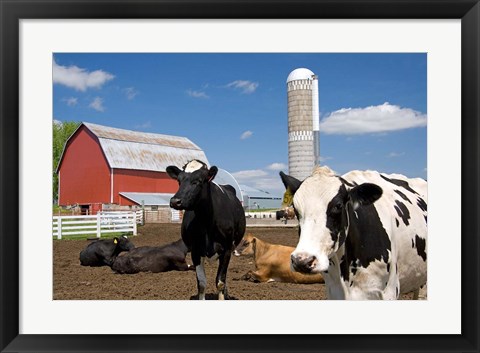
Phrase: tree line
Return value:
(61, 133)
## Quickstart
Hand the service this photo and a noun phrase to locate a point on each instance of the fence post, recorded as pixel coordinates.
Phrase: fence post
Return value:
(134, 223)
(59, 227)
(98, 225)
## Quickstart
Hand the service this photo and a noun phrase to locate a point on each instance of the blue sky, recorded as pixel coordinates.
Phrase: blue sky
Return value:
(373, 107)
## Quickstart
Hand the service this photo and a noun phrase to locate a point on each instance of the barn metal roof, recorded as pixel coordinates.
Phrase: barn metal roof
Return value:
(125, 149)
(149, 199)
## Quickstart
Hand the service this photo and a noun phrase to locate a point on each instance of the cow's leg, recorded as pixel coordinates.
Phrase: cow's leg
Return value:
(423, 292)
(180, 265)
(249, 276)
(201, 278)
(108, 261)
(256, 277)
(420, 293)
(221, 279)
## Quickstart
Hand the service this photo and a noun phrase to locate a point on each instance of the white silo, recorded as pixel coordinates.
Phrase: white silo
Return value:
(303, 123)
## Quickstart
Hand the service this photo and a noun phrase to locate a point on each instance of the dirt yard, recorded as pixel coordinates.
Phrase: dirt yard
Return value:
(71, 281)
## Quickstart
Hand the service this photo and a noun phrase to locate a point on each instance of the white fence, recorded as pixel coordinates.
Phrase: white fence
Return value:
(138, 214)
(268, 214)
(103, 222)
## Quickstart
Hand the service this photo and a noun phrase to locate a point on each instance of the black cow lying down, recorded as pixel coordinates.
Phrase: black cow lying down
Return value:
(170, 257)
(103, 252)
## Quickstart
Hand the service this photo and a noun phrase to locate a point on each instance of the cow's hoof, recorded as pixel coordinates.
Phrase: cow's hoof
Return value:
(223, 296)
(246, 277)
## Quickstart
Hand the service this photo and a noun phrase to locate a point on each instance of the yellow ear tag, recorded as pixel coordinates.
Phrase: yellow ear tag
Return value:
(287, 198)
(115, 241)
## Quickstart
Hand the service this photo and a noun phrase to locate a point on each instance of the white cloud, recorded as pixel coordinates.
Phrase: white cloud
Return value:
(272, 184)
(130, 92)
(97, 104)
(78, 78)
(246, 175)
(396, 154)
(324, 159)
(71, 102)
(197, 94)
(373, 119)
(245, 135)
(57, 122)
(277, 166)
(261, 179)
(247, 87)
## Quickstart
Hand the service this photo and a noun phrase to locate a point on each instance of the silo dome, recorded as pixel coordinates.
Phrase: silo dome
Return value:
(300, 74)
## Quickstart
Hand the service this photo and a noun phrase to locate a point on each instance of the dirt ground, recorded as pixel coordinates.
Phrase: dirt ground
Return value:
(71, 281)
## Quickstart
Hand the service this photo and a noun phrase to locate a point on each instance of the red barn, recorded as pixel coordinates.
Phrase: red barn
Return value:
(99, 163)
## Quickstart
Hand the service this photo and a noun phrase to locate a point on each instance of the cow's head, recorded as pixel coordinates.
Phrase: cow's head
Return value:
(246, 246)
(323, 203)
(123, 243)
(191, 180)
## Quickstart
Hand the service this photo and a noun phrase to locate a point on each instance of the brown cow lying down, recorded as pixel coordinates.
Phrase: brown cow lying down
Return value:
(170, 257)
(272, 262)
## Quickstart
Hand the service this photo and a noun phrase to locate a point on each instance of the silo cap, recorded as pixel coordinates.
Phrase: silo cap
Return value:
(300, 74)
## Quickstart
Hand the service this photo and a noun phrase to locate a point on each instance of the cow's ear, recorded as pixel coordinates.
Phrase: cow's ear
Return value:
(173, 171)
(290, 182)
(364, 194)
(211, 173)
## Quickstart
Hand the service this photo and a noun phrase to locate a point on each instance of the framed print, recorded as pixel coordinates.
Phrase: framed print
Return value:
(431, 46)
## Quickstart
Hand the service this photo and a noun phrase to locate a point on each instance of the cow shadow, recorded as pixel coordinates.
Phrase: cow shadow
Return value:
(211, 296)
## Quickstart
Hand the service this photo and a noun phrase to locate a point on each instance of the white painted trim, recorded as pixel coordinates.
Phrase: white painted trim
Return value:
(111, 185)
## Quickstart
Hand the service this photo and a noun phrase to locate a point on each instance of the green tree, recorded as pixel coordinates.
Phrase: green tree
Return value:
(61, 132)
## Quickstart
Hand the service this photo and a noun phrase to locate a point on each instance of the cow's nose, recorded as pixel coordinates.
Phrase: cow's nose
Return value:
(303, 262)
(175, 202)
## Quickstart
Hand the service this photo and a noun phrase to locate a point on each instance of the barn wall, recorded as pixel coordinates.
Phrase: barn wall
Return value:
(125, 180)
(84, 172)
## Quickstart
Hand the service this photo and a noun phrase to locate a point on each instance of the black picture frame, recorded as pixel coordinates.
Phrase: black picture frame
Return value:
(12, 11)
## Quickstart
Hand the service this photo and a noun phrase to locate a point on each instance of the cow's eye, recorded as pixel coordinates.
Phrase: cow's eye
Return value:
(338, 207)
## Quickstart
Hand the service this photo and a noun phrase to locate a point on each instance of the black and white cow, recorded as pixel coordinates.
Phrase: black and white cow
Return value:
(103, 252)
(213, 223)
(366, 232)
(169, 257)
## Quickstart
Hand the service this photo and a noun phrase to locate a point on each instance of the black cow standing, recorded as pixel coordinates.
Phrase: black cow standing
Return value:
(213, 223)
(169, 257)
(103, 252)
